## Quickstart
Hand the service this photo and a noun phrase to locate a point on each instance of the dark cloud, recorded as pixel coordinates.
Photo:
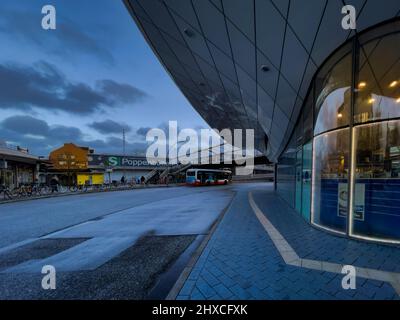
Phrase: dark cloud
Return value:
(121, 91)
(44, 86)
(109, 126)
(64, 133)
(68, 40)
(115, 145)
(142, 131)
(40, 138)
(26, 125)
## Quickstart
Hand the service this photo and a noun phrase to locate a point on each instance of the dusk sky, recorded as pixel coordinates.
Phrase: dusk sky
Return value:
(84, 81)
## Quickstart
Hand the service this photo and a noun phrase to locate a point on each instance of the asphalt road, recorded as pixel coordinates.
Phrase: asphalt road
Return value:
(102, 239)
(23, 220)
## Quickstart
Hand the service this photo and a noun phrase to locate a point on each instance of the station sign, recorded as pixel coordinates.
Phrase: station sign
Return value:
(111, 161)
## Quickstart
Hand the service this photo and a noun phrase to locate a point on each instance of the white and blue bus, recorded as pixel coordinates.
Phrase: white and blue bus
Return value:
(205, 177)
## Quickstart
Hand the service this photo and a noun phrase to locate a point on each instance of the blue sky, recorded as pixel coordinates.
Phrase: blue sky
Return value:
(83, 81)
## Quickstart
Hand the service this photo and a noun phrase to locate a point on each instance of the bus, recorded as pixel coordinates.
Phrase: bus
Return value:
(206, 177)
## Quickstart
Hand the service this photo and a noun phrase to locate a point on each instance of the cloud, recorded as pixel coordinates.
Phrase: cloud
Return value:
(63, 133)
(40, 138)
(68, 40)
(44, 86)
(109, 126)
(26, 125)
(142, 131)
(121, 91)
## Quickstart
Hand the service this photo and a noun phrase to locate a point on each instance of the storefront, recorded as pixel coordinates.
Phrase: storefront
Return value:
(347, 142)
(115, 167)
(17, 167)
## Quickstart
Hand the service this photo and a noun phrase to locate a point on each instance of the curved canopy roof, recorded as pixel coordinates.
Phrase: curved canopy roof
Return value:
(249, 63)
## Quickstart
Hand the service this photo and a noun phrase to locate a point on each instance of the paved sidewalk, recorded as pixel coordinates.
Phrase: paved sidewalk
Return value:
(241, 261)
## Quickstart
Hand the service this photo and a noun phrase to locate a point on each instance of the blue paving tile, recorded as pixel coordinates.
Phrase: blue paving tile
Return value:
(241, 262)
(226, 281)
(223, 291)
(206, 290)
(256, 293)
(240, 293)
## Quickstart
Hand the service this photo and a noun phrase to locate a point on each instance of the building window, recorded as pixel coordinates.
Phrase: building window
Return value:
(307, 115)
(354, 166)
(330, 180)
(333, 96)
(376, 195)
(378, 87)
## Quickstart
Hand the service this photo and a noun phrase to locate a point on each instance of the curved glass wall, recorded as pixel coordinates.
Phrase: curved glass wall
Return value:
(376, 195)
(353, 113)
(362, 81)
(378, 87)
(333, 95)
(330, 180)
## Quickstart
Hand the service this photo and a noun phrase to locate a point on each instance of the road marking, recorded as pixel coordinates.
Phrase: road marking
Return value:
(290, 256)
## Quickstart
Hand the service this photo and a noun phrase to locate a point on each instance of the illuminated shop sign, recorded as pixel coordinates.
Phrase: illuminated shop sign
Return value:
(118, 161)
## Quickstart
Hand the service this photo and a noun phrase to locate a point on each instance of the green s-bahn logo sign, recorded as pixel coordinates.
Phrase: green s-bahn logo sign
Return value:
(113, 161)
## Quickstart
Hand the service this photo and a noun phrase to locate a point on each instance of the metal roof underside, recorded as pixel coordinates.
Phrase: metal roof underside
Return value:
(215, 50)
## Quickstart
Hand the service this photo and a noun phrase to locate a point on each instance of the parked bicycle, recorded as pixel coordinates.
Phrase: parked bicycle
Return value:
(76, 188)
(23, 191)
(7, 195)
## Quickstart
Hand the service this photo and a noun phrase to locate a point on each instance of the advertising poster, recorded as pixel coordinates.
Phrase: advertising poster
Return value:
(359, 201)
(342, 199)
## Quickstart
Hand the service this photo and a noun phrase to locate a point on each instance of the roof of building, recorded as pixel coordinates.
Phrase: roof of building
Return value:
(13, 154)
(242, 66)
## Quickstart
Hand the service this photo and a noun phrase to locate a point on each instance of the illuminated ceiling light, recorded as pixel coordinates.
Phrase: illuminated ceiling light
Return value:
(362, 85)
(340, 115)
(393, 84)
(264, 68)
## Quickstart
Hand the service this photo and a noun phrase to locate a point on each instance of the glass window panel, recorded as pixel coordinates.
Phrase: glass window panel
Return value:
(307, 114)
(299, 159)
(330, 180)
(376, 199)
(306, 181)
(378, 94)
(287, 174)
(333, 96)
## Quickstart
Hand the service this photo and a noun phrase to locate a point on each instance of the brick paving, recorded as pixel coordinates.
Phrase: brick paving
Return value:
(241, 262)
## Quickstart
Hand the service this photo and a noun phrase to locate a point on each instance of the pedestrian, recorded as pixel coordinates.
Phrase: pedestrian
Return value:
(54, 184)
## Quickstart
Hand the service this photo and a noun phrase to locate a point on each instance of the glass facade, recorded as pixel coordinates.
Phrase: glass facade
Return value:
(330, 180)
(344, 153)
(376, 200)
